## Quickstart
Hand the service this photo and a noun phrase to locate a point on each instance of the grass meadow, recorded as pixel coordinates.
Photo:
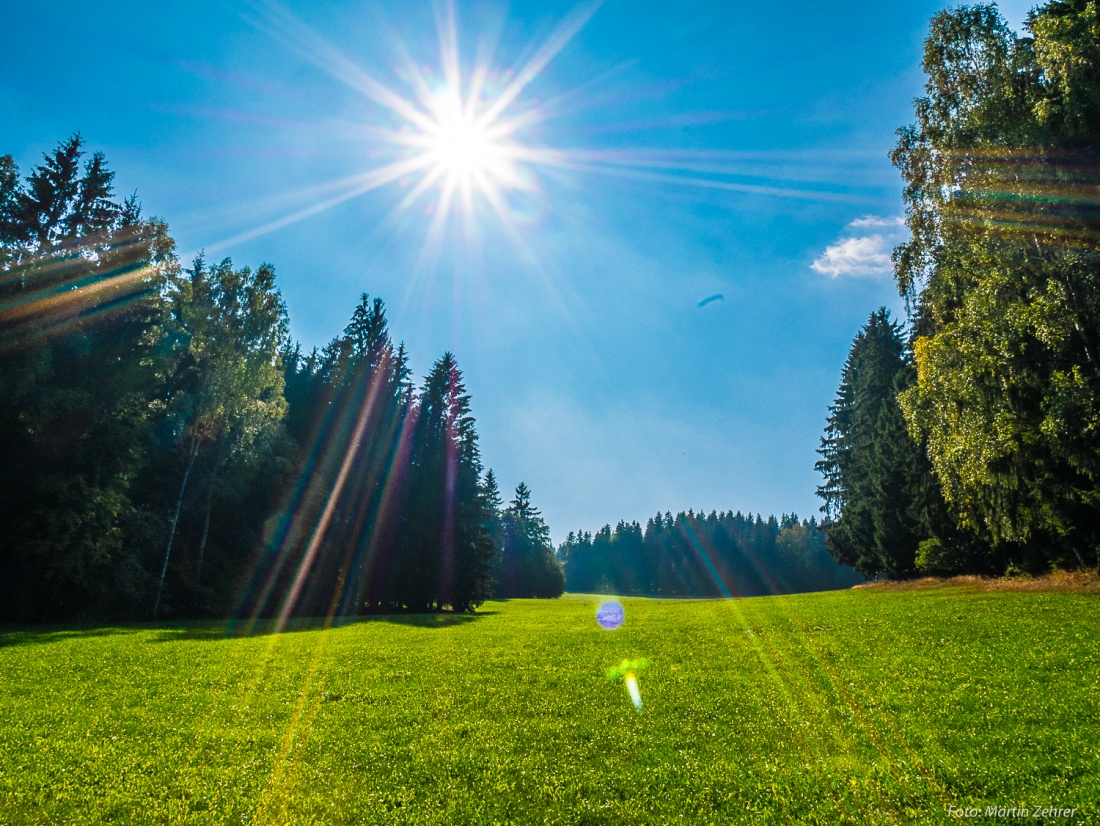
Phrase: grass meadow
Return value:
(865, 706)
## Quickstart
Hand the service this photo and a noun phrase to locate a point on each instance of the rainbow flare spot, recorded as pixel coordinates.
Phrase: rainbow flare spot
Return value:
(610, 615)
(627, 672)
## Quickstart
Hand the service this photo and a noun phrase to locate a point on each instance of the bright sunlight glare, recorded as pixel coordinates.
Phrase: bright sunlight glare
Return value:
(462, 135)
(463, 149)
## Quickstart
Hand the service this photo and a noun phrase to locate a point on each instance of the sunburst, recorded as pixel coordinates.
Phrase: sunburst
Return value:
(459, 136)
(462, 149)
(464, 137)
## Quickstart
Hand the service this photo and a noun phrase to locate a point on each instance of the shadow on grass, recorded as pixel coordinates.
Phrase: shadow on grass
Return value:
(42, 634)
(214, 630)
(438, 620)
(238, 629)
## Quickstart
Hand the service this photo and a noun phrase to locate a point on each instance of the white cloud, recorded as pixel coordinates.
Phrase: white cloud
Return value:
(866, 252)
(895, 224)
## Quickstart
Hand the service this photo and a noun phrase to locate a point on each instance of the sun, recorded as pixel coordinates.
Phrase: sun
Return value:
(460, 148)
(464, 131)
(459, 134)
(460, 141)
(469, 135)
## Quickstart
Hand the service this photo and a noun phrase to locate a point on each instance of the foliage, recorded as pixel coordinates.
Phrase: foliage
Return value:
(168, 450)
(823, 708)
(1003, 272)
(447, 548)
(527, 566)
(875, 488)
(719, 555)
(332, 546)
(82, 362)
(390, 512)
(224, 398)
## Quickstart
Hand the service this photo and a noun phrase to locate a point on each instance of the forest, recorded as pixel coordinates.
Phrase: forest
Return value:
(717, 555)
(969, 442)
(169, 450)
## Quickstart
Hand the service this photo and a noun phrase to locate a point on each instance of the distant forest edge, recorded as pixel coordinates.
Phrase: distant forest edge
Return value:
(717, 555)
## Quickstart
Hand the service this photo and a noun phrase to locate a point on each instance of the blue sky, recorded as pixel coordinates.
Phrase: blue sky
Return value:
(750, 145)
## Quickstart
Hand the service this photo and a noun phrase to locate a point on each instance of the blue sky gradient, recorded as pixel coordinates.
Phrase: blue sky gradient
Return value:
(596, 376)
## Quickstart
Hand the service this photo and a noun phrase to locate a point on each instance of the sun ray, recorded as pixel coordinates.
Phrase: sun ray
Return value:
(565, 32)
(310, 45)
(464, 133)
(447, 29)
(365, 183)
(696, 182)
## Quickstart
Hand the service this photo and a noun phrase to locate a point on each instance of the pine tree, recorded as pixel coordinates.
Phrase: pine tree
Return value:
(528, 566)
(868, 458)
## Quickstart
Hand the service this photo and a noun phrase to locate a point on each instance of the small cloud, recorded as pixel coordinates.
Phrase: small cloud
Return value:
(866, 252)
(866, 256)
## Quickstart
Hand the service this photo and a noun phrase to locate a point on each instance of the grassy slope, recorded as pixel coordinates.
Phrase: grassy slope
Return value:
(864, 706)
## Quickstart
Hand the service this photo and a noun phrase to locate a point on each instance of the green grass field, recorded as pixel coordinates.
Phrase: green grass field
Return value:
(868, 706)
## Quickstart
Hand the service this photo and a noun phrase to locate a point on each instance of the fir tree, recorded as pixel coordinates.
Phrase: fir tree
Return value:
(528, 566)
(868, 459)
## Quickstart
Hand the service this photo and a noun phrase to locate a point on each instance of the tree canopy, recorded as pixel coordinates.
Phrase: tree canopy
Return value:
(1003, 273)
(169, 451)
(1002, 278)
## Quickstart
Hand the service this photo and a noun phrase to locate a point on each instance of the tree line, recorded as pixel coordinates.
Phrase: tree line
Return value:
(970, 442)
(170, 451)
(716, 555)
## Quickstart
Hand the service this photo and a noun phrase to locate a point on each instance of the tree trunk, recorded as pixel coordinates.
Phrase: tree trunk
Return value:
(175, 520)
(1080, 559)
(220, 457)
(205, 528)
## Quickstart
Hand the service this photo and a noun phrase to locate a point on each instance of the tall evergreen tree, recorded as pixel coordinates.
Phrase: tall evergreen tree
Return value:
(352, 414)
(448, 552)
(868, 459)
(528, 566)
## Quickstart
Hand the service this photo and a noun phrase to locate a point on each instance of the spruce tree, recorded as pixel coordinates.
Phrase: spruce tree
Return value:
(868, 459)
(528, 566)
(448, 551)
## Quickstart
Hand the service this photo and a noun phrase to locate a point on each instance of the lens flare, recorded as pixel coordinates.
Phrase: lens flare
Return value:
(627, 671)
(610, 615)
(632, 690)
